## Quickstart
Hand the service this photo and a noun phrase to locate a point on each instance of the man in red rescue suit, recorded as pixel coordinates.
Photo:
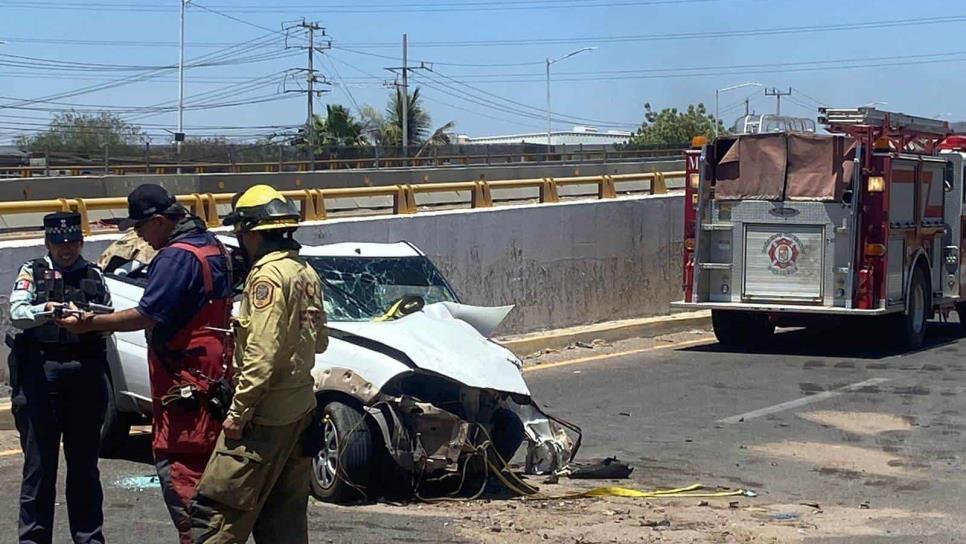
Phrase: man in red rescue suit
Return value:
(185, 310)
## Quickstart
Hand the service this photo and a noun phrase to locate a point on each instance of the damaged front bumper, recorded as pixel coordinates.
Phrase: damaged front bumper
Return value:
(424, 439)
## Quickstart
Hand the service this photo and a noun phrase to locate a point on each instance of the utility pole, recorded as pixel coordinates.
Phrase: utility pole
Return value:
(778, 96)
(311, 97)
(312, 78)
(405, 69)
(179, 135)
(405, 97)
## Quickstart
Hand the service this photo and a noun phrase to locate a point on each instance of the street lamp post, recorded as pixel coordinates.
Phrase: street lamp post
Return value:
(717, 116)
(554, 61)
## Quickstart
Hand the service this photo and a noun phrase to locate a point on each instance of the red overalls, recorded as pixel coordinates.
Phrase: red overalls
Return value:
(184, 430)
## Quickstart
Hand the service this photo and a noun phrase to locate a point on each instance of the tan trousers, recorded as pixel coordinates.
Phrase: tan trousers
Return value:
(258, 486)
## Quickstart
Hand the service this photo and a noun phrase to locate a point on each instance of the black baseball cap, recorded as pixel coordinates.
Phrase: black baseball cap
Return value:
(63, 227)
(148, 200)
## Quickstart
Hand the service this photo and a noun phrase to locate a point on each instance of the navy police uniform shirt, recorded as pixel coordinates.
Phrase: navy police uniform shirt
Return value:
(176, 289)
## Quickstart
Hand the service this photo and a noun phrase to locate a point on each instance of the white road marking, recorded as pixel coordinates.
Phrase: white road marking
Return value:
(800, 402)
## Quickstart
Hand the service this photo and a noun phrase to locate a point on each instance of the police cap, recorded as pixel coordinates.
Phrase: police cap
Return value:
(63, 227)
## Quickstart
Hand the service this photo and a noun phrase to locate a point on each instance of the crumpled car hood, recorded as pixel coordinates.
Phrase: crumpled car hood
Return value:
(435, 340)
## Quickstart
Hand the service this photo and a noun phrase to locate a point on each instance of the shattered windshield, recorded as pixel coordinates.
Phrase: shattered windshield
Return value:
(363, 288)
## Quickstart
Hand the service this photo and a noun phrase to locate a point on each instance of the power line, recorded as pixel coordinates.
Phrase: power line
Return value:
(574, 118)
(598, 40)
(449, 90)
(817, 102)
(562, 40)
(674, 73)
(236, 19)
(448, 7)
(482, 114)
(221, 54)
(342, 85)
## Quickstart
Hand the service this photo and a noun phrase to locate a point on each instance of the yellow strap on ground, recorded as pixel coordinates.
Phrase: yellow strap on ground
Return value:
(681, 493)
(516, 484)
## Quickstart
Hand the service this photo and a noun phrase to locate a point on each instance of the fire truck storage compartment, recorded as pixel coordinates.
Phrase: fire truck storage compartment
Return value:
(903, 215)
(793, 167)
(784, 263)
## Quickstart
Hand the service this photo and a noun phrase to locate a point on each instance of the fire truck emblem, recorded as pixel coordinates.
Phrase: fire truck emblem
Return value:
(783, 251)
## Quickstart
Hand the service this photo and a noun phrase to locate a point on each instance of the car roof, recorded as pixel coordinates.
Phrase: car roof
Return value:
(349, 249)
(361, 249)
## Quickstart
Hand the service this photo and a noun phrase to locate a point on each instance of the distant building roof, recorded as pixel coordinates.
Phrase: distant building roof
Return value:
(577, 136)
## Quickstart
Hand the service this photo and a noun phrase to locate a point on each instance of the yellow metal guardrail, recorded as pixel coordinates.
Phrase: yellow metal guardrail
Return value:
(312, 201)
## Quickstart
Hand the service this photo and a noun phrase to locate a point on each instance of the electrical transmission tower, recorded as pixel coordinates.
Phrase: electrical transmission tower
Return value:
(404, 71)
(312, 76)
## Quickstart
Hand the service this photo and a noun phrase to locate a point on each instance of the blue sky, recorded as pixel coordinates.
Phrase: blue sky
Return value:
(487, 59)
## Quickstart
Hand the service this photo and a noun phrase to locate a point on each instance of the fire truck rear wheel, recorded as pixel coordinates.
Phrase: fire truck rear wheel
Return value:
(910, 326)
(741, 329)
(961, 311)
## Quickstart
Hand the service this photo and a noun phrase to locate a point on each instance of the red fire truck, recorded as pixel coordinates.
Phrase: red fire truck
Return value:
(867, 221)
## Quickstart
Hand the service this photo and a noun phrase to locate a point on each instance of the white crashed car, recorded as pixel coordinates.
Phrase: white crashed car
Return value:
(417, 400)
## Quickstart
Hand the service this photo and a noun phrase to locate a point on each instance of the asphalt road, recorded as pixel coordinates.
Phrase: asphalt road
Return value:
(818, 416)
(823, 417)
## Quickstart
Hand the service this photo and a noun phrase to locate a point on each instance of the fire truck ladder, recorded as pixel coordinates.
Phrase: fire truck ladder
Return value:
(854, 117)
(905, 132)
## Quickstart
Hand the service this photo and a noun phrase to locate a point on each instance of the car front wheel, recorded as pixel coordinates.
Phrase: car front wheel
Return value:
(340, 470)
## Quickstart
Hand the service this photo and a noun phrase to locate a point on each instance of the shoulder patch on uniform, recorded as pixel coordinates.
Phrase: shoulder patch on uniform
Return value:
(263, 292)
(22, 285)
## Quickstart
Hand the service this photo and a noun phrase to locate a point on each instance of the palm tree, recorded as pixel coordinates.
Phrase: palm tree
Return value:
(419, 120)
(439, 137)
(373, 125)
(338, 129)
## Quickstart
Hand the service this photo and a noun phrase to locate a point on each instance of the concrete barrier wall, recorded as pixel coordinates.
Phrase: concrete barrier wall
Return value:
(108, 186)
(565, 264)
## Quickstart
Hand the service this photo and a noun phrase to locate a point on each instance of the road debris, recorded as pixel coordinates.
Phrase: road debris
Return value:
(139, 483)
(608, 469)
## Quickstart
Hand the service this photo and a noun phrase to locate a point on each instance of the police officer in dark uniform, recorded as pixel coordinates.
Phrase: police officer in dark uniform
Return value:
(60, 385)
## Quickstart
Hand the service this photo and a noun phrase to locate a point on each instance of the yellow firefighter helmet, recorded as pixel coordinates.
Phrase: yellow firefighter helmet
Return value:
(262, 208)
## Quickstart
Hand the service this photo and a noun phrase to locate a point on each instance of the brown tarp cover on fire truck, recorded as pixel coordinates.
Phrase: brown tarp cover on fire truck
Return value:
(760, 171)
(785, 167)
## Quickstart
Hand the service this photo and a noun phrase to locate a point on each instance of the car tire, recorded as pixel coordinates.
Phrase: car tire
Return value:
(909, 327)
(735, 329)
(117, 425)
(347, 453)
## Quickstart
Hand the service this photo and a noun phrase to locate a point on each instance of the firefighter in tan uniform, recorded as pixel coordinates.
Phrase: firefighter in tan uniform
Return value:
(257, 481)
(127, 255)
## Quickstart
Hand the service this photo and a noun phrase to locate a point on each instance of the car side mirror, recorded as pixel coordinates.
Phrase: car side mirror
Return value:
(847, 197)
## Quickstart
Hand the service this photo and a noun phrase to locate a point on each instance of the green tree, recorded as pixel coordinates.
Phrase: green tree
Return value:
(84, 134)
(419, 120)
(670, 126)
(339, 128)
